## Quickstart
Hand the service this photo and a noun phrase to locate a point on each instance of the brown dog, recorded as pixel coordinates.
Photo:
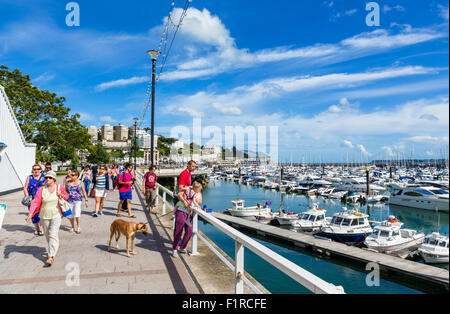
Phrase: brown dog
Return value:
(128, 229)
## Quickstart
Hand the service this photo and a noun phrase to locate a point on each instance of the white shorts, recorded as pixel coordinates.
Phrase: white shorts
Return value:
(76, 209)
(100, 193)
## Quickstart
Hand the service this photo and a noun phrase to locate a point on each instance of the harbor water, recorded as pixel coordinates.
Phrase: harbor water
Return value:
(353, 278)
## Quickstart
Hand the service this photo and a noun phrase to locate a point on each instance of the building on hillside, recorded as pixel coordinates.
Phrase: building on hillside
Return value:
(147, 157)
(121, 133)
(145, 139)
(93, 132)
(17, 157)
(107, 132)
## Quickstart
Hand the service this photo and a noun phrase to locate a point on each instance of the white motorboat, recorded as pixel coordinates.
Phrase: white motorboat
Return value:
(419, 196)
(358, 184)
(348, 226)
(239, 210)
(311, 220)
(389, 237)
(286, 219)
(434, 249)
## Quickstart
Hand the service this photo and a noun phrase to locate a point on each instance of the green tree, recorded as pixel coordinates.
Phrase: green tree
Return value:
(98, 155)
(44, 118)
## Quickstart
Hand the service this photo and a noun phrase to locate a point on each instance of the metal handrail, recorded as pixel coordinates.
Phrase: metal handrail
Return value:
(305, 278)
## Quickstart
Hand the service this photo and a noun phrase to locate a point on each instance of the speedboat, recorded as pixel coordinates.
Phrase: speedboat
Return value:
(311, 220)
(420, 196)
(348, 226)
(389, 237)
(239, 210)
(286, 219)
(434, 249)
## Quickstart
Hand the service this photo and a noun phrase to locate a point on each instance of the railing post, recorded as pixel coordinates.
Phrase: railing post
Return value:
(194, 234)
(164, 203)
(239, 268)
(157, 195)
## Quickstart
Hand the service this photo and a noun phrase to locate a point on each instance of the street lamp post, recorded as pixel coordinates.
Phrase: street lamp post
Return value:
(154, 54)
(135, 142)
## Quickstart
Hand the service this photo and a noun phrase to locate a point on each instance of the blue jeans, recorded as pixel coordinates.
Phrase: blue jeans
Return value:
(86, 186)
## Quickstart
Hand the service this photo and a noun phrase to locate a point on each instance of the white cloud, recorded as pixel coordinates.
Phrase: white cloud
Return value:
(121, 83)
(349, 144)
(387, 8)
(388, 150)
(351, 12)
(108, 119)
(208, 31)
(443, 12)
(227, 110)
(364, 150)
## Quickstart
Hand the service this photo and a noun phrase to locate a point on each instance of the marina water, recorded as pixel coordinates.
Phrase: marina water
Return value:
(352, 277)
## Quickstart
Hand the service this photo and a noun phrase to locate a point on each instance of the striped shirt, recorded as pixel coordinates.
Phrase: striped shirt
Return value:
(101, 183)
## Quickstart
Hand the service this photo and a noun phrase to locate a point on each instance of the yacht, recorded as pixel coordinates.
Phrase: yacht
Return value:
(389, 237)
(348, 226)
(358, 184)
(434, 249)
(311, 220)
(420, 196)
(239, 210)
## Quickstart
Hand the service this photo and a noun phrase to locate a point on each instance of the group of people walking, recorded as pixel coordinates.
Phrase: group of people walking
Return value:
(46, 196)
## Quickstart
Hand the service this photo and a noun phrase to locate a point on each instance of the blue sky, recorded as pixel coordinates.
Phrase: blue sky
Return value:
(335, 87)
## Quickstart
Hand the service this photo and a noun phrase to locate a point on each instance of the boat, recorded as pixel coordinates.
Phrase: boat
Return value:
(286, 219)
(389, 237)
(348, 226)
(434, 249)
(420, 196)
(311, 220)
(239, 210)
(265, 218)
(358, 184)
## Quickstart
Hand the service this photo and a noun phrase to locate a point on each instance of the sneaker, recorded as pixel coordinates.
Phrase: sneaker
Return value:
(184, 251)
(175, 253)
(95, 215)
(101, 213)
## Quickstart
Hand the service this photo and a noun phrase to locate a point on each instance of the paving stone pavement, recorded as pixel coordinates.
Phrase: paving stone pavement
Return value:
(152, 271)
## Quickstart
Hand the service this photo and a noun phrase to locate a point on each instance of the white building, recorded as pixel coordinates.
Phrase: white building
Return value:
(17, 157)
(93, 132)
(107, 132)
(145, 139)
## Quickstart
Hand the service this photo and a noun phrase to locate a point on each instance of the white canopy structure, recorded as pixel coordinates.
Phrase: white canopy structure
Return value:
(16, 155)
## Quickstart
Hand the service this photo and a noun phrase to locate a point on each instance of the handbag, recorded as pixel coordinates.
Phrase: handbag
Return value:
(64, 206)
(27, 200)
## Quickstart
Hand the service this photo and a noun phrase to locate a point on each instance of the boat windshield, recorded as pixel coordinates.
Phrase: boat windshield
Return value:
(433, 242)
(384, 234)
(354, 222)
(312, 218)
(443, 244)
(441, 192)
(305, 216)
(346, 222)
(424, 192)
(321, 217)
(336, 220)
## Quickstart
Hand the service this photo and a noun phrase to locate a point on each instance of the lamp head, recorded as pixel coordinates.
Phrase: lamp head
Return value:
(154, 54)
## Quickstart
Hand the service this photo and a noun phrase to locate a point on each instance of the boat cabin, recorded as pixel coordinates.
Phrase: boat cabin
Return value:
(435, 239)
(349, 219)
(238, 204)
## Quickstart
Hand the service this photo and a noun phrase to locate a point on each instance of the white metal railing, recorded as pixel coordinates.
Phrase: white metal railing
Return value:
(305, 278)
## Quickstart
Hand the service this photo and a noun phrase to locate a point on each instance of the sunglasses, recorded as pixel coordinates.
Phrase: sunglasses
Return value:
(37, 169)
(73, 175)
(48, 178)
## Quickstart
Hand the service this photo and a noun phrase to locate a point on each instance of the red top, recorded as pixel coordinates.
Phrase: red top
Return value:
(185, 178)
(150, 180)
(125, 177)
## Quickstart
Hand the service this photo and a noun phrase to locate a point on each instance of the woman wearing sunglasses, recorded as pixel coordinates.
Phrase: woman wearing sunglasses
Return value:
(46, 204)
(76, 190)
(34, 182)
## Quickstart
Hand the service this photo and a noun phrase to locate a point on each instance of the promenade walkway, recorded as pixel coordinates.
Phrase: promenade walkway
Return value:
(153, 270)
